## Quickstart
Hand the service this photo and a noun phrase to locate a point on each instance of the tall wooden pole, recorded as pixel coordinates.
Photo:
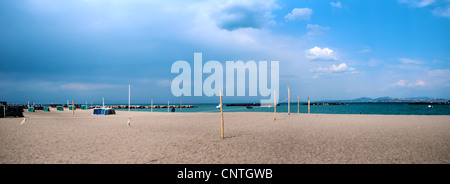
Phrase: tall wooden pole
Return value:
(308, 106)
(275, 105)
(289, 102)
(129, 94)
(73, 107)
(298, 105)
(221, 116)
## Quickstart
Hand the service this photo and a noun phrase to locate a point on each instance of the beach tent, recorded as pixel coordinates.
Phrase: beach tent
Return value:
(103, 111)
(16, 111)
(71, 107)
(97, 111)
(84, 107)
(31, 109)
(46, 109)
(60, 108)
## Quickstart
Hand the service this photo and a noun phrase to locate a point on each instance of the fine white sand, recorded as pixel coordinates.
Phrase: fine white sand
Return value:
(60, 137)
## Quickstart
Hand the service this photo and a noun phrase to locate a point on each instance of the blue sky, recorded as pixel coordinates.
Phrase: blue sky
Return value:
(52, 51)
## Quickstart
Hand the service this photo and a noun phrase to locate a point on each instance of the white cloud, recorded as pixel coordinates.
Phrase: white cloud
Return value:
(317, 53)
(417, 3)
(425, 3)
(419, 83)
(406, 83)
(438, 7)
(409, 61)
(336, 4)
(443, 11)
(315, 29)
(341, 68)
(400, 83)
(245, 14)
(299, 14)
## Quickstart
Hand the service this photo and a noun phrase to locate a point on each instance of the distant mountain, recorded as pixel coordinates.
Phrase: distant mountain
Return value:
(381, 99)
(363, 99)
(387, 99)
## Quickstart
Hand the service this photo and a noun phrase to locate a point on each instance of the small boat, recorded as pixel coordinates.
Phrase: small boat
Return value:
(430, 106)
(249, 107)
(218, 106)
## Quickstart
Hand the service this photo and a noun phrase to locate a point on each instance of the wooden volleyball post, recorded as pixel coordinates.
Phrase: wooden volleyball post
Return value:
(73, 107)
(289, 102)
(221, 116)
(275, 105)
(129, 96)
(308, 106)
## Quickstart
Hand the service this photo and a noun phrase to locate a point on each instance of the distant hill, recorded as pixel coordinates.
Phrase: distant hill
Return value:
(363, 99)
(390, 100)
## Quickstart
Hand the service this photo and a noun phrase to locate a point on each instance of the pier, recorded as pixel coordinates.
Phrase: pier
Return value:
(249, 104)
(324, 104)
(143, 106)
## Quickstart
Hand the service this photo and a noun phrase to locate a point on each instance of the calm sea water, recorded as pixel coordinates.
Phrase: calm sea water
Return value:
(363, 108)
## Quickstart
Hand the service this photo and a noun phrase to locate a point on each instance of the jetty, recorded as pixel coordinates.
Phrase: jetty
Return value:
(143, 106)
(249, 104)
(324, 104)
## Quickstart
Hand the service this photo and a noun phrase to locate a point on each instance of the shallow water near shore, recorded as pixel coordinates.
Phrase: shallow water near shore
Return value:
(355, 108)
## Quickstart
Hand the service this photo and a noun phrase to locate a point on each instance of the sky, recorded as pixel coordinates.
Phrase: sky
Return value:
(52, 51)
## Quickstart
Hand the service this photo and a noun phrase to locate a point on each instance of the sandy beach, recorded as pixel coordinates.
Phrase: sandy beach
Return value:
(155, 138)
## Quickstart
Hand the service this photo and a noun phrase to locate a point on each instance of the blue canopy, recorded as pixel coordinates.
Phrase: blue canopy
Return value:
(103, 111)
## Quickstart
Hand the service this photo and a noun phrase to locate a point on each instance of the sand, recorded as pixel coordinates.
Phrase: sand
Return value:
(154, 138)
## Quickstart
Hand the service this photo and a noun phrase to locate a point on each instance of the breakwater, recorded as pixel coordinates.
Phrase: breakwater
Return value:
(249, 104)
(324, 104)
(143, 106)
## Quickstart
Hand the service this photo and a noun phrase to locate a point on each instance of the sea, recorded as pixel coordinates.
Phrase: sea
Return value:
(351, 108)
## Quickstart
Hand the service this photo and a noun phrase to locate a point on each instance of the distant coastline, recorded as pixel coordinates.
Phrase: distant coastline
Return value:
(392, 100)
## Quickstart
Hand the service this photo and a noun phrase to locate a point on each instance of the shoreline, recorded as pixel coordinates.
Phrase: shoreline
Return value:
(292, 113)
(369, 108)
